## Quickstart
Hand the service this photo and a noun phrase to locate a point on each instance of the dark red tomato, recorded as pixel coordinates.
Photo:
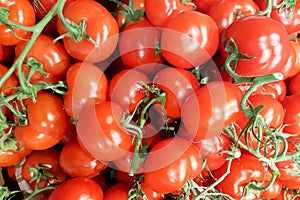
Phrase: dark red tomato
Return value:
(48, 160)
(289, 69)
(87, 84)
(225, 12)
(8, 86)
(178, 84)
(82, 164)
(6, 53)
(42, 7)
(269, 47)
(204, 5)
(100, 131)
(117, 191)
(20, 12)
(53, 57)
(105, 38)
(126, 89)
(124, 177)
(294, 84)
(275, 189)
(77, 188)
(138, 44)
(289, 174)
(13, 157)
(292, 116)
(47, 122)
(149, 193)
(100, 180)
(192, 43)
(243, 170)
(159, 12)
(179, 161)
(211, 108)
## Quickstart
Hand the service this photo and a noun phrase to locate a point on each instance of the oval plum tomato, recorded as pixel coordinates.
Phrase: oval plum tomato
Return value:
(225, 12)
(44, 160)
(8, 86)
(100, 131)
(268, 48)
(192, 43)
(47, 122)
(294, 84)
(211, 108)
(83, 91)
(20, 12)
(82, 164)
(243, 170)
(292, 116)
(289, 174)
(161, 11)
(76, 189)
(117, 191)
(204, 5)
(105, 39)
(137, 44)
(178, 84)
(170, 163)
(53, 58)
(12, 157)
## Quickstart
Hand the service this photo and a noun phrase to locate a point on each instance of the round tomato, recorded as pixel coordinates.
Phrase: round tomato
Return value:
(294, 84)
(117, 191)
(8, 86)
(6, 53)
(12, 157)
(149, 193)
(290, 69)
(204, 5)
(289, 174)
(105, 39)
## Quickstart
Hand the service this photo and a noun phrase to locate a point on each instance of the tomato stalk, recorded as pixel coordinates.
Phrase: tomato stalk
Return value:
(268, 9)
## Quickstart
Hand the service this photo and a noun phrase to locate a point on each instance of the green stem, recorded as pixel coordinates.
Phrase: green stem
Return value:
(268, 9)
(39, 190)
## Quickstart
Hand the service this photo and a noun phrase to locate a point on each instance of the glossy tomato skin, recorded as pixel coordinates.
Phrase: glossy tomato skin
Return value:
(268, 47)
(287, 178)
(192, 43)
(13, 157)
(83, 91)
(204, 6)
(290, 69)
(10, 83)
(294, 84)
(211, 108)
(77, 188)
(117, 191)
(6, 53)
(21, 12)
(159, 12)
(53, 57)
(150, 194)
(106, 39)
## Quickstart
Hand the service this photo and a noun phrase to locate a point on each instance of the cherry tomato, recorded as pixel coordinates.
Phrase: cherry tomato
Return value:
(289, 69)
(189, 39)
(274, 191)
(294, 84)
(13, 157)
(76, 189)
(117, 191)
(288, 194)
(289, 174)
(20, 12)
(105, 38)
(149, 193)
(6, 53)
(7, 87)
(204, 5)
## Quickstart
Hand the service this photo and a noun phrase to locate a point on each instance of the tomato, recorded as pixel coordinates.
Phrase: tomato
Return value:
(80, 165)
(7, 87)
(179, 161)
(289, 174)
(137, 44)
(289, 69)
(20, 12)
(225, 12)
(6, 53)
(124, 177)
(48, 160)
(126, 89)
(294, 84)
(275, 189)
(288, 194)
(211, 108)
(117, 191)
(12, 157)
(47, 122)
(161, 11)
(243, 171)
(53, 57)
(100, 131)
(268, 48)
(178, 84)
(105, 38)
(204, 5)
(149, 193)
(192, 43)
(82, 91)
(77, 188)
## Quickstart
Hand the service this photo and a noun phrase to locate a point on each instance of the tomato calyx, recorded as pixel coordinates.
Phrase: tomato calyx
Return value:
(35, 66)
(5, 193)
(185, 2)
(8, 142)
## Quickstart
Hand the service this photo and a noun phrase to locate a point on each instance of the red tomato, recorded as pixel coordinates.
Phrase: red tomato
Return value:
(288, 194)
(289, 69)
(76, 189)
(100, 131)
(7, 87)
(13, 157)
(80, 165)
(47, 122)
(161, 11)
(211, 108)
(149, 193)
(6, 53)
(20, 12)
(178, 84)
(48, 160)
(117, 191)
(204, 5)
(289, 174)
(83, 91)
(105, 38)
(274, 191)
(53, 57)
(189, 39)
(269, 47)
(294, 84)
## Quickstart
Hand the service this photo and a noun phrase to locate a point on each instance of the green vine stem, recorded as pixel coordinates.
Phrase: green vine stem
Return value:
(268, 9)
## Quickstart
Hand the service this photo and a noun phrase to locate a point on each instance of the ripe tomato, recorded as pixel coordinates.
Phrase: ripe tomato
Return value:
(211, 108)
(20, 12)
(149, 193)
(83, 91)
(6, 53)
(290, 69)
(274, 191)
(294, 84)
(7, 87)
(161, 11)
(100, 131)
(117, 191)
(82, 164)
(268, 48)
(105, 38)
(53, 57)
(204, 5)
(192, 43)
(289, 174)
(13, 157)
(76, 189)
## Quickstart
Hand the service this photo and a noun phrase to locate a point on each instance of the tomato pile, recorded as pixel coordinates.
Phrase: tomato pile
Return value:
(150, 99)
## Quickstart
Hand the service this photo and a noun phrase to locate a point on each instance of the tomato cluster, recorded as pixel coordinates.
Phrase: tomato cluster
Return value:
(150, 99)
